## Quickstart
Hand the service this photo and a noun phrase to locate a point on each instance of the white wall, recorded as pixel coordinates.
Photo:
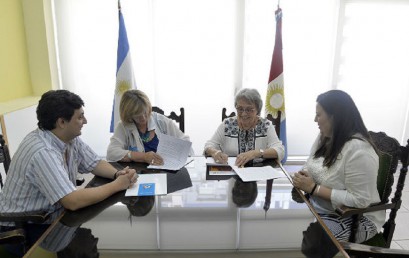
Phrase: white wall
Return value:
(18, 124)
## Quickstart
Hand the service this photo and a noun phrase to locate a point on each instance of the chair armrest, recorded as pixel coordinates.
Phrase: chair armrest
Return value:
(345, 211)
(372, 251)
(15, 236)
(35, 216)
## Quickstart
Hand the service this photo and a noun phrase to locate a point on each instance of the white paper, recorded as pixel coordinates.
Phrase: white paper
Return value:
(248, 174)
(174, 152)
(160, 181)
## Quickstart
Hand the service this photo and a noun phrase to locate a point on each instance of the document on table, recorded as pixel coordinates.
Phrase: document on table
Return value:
(248, 174)
(149, 184)
(174, 152)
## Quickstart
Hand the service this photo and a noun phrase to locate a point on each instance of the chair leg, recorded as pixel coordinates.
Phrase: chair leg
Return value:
(354, 227)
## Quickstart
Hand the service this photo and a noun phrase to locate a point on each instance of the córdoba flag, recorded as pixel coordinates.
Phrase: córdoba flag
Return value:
(275, 89)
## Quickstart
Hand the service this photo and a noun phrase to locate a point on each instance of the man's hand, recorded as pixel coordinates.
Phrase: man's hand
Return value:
(127, 177)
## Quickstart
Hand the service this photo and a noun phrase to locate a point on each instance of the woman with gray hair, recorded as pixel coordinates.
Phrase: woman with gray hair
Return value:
(247, 135)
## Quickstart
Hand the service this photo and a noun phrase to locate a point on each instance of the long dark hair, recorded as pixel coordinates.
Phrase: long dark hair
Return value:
(346, 122)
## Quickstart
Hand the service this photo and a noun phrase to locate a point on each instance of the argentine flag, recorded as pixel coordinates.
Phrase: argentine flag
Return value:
(125, 79)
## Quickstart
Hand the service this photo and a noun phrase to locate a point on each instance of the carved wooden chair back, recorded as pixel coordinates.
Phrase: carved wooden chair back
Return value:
(180, 119)
(390, 153)
(4, 157)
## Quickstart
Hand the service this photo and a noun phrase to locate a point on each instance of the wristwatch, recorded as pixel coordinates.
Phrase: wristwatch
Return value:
(262, 153)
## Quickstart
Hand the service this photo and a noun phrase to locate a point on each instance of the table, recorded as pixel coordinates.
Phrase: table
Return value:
(196, 214)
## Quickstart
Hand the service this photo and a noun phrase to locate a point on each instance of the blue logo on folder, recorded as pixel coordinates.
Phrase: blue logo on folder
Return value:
(146, 189)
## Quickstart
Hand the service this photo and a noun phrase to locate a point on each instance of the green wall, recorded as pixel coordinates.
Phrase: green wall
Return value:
(15, 79)
(27, 38)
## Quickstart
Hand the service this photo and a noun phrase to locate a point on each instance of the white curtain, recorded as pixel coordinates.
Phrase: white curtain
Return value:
(196, 54)
(372, 61)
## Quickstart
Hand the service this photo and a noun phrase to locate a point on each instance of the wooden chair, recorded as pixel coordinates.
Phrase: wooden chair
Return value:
(276, 121)
(17, 235)
(224, 115)
(390, 153)
(4, 157)
(180, 119)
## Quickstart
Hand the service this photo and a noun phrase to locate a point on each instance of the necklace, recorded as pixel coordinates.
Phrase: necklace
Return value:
(145, 136)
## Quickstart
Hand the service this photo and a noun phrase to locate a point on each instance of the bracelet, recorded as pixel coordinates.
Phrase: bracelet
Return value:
(116, 174)
(318, 189)
(261, 153)
(313, 189)
(217, 152)
(129, 154)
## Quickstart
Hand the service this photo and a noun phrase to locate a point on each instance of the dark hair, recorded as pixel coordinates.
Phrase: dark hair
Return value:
(244, 193)
(56, 104)
(346, 122)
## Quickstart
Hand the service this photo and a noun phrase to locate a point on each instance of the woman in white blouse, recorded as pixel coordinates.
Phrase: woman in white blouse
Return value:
(341, 170)
(247, 135)
(135, 137)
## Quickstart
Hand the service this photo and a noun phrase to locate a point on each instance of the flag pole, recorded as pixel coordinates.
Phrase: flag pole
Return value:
(119, 5)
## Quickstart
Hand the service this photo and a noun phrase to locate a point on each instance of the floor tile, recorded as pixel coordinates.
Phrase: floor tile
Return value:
(404, 244)
(402, 226)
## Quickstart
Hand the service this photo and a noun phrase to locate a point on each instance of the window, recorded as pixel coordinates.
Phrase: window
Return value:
(372, 61)
(198, 53)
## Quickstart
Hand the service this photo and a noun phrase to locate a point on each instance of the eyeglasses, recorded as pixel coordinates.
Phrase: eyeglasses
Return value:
(247, 110)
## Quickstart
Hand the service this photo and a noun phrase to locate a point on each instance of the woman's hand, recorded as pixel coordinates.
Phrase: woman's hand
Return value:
(153, 158)
(220, 157)
(245, 157)
(303, 181)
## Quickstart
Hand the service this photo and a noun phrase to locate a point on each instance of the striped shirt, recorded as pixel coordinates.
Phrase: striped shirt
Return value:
(42, 171)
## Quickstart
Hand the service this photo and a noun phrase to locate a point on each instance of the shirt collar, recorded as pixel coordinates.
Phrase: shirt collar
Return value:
(55, 141)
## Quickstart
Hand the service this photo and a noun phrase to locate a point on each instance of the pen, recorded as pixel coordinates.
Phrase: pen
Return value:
(189, 162)
(221, 149)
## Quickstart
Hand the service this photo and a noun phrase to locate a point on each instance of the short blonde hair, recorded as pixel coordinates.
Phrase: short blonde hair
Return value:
(133, 103)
